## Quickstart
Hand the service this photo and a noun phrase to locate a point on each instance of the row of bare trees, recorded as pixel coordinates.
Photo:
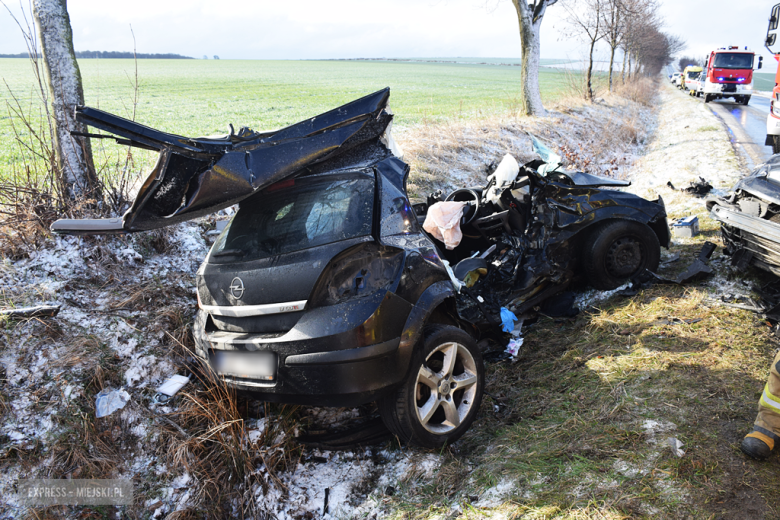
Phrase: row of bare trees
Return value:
(631, 26)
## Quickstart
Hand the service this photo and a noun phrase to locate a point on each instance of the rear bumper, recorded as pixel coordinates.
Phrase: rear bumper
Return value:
(357, 376)
(345, 366)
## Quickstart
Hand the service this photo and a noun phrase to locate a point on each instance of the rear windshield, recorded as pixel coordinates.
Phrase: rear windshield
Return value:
(310, 212)
(733, 60)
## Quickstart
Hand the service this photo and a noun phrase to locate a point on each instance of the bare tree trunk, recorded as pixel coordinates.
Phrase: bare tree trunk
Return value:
(623, 70)
(589, 75)
(629, 66)
(74, 154)
(611, 64)
(530, 17)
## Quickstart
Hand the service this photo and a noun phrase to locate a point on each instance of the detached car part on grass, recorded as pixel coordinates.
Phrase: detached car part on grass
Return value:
(750, 218)
(324, 289)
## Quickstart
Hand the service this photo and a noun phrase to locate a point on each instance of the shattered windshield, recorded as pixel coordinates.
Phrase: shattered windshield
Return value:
(733, 60)
(298, 215)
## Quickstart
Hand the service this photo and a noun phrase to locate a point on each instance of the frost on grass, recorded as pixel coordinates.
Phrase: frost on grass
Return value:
(122, 300)
(108, 333)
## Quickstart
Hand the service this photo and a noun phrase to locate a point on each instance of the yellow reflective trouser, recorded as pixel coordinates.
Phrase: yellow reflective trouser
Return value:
(768, 420)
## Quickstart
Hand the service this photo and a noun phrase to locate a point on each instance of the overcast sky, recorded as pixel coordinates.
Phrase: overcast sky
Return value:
(301, 29)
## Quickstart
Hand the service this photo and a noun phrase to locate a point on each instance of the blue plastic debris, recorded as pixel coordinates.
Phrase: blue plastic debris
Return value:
(508, 320)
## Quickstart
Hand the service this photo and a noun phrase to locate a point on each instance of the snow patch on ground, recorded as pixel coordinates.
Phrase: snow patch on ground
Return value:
(496, 495)
(356, 483)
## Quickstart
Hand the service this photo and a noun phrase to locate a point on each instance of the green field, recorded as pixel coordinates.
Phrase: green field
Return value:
(200, 97)
(764, 81)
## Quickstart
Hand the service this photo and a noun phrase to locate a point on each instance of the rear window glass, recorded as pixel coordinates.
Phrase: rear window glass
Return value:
(733, 60)
(310, 213)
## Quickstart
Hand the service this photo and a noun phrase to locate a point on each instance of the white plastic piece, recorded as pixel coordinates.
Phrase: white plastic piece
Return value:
(109, 401)
(172, 385)
(455, 282)
(675, 444)
(514, 346)
(505, 175)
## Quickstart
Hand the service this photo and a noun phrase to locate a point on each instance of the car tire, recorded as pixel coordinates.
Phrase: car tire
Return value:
(618, 250)
(706, 98)
(745, 100)
(775, 144)
(426, 416)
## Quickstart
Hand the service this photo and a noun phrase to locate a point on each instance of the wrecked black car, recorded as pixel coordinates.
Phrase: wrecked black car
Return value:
(750, 218)
(325, 289)
(542, 229)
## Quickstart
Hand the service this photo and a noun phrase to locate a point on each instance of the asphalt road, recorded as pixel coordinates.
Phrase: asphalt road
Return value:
(747, 126)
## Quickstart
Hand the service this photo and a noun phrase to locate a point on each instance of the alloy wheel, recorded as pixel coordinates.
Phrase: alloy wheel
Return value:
(446, 388)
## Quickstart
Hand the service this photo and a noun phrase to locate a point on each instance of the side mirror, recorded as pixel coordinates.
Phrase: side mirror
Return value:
(760, 62)
(771, 33)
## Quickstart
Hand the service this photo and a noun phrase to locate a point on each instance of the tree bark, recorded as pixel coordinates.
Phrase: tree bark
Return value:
(611, 64)
(590, 70)
(530, 20)
(74, 154)
(623, 69)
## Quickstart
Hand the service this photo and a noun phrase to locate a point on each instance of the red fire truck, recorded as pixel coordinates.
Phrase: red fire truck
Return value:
(773, 119)
(729, 74)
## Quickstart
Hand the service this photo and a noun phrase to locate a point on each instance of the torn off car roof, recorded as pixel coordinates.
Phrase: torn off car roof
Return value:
(197, 176)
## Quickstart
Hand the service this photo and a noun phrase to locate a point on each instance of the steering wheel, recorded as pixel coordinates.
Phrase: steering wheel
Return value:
(466, 195)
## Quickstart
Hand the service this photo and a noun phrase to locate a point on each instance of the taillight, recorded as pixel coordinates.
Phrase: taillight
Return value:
(357, 272)
(774, 108)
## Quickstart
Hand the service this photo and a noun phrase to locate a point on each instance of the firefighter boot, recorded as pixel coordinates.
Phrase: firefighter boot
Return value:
(766, 431)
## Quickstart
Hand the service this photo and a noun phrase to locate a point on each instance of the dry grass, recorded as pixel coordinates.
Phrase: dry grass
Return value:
(640, 90)
(216, 450)
(600, 138)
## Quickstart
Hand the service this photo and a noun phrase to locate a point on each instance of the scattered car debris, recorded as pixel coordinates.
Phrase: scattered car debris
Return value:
(750, 218)
(325, 289)
(698, 269)
(109, 401)
(699, 188)
(38, 311)
(687, 227)
(676, 321)
(768, 306)
(674, 257)
(169, 388)
(675, 444)
(513, 348)
(173, 384)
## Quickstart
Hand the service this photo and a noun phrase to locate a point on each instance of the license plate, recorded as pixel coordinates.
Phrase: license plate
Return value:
(249, 365)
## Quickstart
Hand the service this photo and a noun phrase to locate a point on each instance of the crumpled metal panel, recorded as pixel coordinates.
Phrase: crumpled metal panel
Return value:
(197, 176)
